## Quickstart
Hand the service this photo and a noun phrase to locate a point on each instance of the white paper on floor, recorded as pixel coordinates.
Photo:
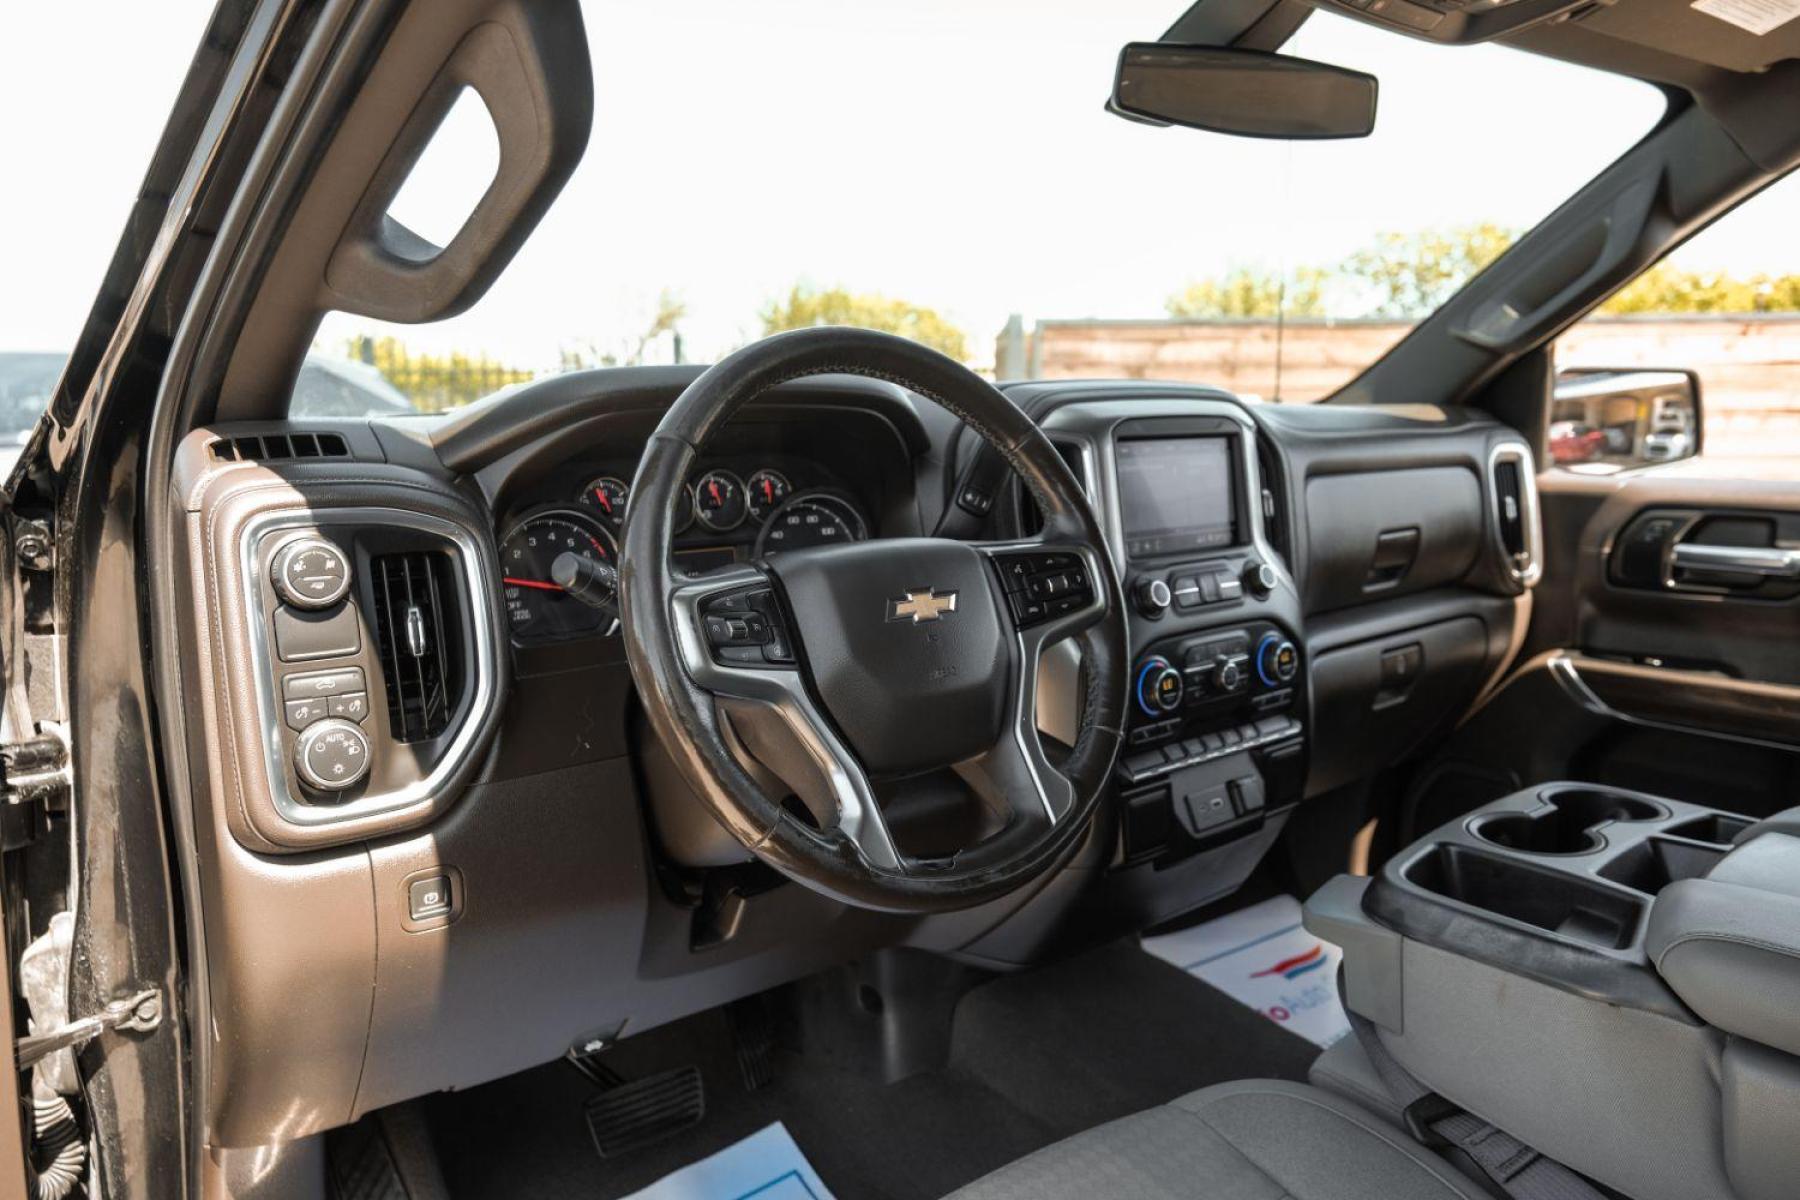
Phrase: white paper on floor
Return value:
(1262, 956)
(767, 1165)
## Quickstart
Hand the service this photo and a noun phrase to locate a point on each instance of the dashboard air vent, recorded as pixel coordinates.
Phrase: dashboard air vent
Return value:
(1272, 500)
(417, 635)
(278, 447)
(1516, 528)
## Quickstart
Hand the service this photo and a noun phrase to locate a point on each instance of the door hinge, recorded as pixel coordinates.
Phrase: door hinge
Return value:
(34, 545)
(141, 1012)
(36, 783)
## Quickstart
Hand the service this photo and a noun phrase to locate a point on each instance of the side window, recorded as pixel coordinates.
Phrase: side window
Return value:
(1717, 322)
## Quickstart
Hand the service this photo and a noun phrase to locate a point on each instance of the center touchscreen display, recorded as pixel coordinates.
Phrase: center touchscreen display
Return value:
(1176, 495)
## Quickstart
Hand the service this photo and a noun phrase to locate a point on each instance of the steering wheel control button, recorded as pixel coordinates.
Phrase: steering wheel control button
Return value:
(746, 628)
(301, 713)
(1153, 597)
(429, 897)
(333, 755)
(310, 573)
(323, 683)
(1045, 584)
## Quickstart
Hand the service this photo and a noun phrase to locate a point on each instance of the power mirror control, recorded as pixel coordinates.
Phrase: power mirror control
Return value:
(310, 573)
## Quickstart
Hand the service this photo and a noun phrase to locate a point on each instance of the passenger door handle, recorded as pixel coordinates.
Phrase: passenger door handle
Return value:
(1768, 562)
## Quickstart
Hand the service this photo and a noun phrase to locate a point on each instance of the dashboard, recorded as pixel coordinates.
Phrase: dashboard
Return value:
(395, 700)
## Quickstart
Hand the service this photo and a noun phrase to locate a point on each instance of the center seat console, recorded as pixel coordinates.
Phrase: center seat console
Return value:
(1611, 977)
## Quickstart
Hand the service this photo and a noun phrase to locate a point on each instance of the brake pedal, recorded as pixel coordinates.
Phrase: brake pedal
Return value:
(643, 1112)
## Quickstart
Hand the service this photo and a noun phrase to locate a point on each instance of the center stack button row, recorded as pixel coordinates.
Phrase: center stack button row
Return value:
(320, 694)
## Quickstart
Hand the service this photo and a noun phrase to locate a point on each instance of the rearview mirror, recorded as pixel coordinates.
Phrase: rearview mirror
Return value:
(1244, 92)
(1607, 419)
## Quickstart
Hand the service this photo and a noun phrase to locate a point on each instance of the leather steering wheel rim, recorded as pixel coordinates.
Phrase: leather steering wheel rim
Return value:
(685, 715)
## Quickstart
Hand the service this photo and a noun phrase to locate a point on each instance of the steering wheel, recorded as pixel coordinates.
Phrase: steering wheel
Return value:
(838, 666)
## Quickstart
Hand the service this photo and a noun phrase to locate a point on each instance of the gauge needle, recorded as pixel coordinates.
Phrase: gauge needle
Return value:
(713, 487)
(600, 495)
(768, 491)
(510, 581)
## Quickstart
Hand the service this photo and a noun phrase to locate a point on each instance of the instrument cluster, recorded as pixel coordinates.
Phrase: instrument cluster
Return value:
(725, 513)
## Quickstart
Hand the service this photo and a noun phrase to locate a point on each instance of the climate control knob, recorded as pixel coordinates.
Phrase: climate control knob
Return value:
(332, 755)
(1159, 686)
(310, 572)
(1277, 660)
(1228, 673)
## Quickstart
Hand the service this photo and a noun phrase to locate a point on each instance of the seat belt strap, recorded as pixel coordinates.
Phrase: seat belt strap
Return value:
(1520, 1171)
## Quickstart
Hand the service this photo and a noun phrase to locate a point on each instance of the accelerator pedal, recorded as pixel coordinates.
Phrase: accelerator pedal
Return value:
(646, 1111)
(753, 1034)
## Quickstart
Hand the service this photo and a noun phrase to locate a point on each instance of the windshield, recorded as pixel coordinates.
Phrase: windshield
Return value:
(944, 170)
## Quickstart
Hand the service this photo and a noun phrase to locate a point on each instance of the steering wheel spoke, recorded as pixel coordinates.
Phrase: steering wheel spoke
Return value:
(737, 644)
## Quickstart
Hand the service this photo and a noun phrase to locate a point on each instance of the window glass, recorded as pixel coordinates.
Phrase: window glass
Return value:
(1726, 306)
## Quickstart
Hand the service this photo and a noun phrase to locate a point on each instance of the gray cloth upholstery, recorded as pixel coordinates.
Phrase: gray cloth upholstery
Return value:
(1345, 1070)
(1729, 944)
(1253, 1140)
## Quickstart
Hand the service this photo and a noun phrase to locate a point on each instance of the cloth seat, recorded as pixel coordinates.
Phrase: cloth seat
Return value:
(1248, 1140)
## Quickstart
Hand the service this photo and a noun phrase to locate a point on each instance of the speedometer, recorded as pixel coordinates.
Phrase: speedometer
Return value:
(536, 606)
(810, 519)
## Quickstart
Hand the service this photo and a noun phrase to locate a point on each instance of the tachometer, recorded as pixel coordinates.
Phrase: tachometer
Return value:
(536, 607)
(810, 519)
(766, 490)
(719, 502)
(607, 496)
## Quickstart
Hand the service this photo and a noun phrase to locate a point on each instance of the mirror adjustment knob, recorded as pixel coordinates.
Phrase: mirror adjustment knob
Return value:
(1260, 578)
(1153, 596)
(332, 755)
(310, 572)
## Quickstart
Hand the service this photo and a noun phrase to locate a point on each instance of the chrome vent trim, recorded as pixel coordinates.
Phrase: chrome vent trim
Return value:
(1514, 519)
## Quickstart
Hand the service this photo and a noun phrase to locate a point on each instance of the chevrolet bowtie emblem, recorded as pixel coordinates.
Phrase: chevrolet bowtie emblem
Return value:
(925, 605)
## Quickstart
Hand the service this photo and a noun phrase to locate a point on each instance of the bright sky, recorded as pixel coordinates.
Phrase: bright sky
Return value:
(952, 153)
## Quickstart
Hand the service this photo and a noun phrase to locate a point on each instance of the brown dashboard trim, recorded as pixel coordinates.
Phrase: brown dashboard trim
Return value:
(227, 504)
(1696, 700)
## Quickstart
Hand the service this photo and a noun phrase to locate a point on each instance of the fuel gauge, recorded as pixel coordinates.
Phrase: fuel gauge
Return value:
(719, 501)
(766, 490)
(607, 496)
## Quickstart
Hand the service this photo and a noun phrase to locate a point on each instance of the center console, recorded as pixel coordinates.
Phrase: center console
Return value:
(1215, 738)
(1611, 977)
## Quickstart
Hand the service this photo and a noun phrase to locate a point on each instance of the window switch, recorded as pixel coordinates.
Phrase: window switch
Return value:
(428, 898)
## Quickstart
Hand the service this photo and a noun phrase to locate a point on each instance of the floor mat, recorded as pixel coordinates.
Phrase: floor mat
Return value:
(1111, 1032)
(1263, 957)
(766, 1165)
(1036, 1056)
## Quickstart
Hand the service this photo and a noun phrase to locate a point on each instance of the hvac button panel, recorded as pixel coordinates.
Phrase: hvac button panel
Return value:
(1142, 765)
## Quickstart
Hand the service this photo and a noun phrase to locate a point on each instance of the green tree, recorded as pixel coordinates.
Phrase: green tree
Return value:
(1251, 292)
(434, 382)
(628, 352)
(1408, 275)
(804, 307)
(1667, 289)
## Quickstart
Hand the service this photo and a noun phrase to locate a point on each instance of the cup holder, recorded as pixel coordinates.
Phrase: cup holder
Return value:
(1565, 821)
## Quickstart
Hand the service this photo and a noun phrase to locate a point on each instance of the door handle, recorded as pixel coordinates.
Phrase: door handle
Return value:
(1769, 562)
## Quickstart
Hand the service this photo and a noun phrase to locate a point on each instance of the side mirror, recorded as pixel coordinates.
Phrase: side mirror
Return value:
(1620, 417)
(1244, 92)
